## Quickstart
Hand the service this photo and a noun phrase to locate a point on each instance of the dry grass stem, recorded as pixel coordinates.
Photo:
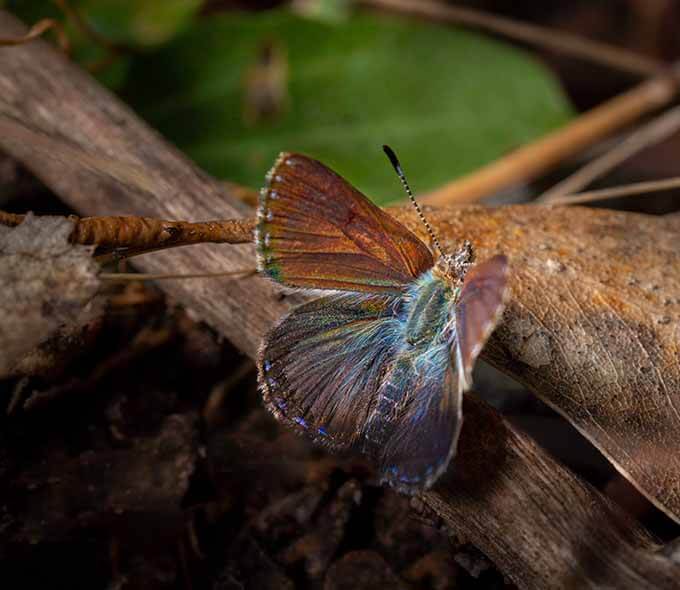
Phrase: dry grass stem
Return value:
(652, 133)
(555, 40)
(37, 30)
(637, 188)
(535, 159)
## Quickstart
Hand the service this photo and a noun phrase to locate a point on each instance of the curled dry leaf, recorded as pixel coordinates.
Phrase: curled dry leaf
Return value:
(592, 327)
(46, 283)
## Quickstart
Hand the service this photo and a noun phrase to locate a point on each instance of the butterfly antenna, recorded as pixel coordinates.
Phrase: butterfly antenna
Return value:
(397, 167)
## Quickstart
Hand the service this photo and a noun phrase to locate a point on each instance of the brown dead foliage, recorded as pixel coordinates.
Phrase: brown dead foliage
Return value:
(46, 284)
(592, 327)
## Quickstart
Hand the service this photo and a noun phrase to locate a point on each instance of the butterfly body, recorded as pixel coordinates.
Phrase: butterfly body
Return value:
(378, 365)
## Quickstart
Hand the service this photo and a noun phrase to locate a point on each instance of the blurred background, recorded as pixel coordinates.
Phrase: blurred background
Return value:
(234, 83)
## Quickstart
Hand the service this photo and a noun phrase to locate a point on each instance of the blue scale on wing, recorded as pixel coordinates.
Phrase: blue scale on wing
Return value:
(321, 366)
(412, 432)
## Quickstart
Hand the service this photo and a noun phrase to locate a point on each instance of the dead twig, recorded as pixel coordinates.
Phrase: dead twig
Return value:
(530, 161)
(37, 30)
(637, 188)
(115, 232)
(100, 158)
(559, 41)
(134, 276)
(654, 132)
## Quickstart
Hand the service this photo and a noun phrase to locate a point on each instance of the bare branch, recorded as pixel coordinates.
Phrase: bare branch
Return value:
(553, 39)
(535, 159)
(656, 131)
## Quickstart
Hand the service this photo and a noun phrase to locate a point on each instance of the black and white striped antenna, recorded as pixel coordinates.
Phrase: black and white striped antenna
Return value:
(397, 167)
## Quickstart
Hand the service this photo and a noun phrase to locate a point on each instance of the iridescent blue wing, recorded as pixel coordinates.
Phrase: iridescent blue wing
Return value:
(477, 311)
(414, 429)
(321, 366)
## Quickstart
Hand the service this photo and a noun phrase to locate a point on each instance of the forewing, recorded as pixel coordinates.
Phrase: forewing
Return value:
(316, 230)
(477, 311)
(414, 429)
(321, 366)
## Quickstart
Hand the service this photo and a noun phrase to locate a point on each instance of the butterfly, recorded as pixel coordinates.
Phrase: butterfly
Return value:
(378, 363)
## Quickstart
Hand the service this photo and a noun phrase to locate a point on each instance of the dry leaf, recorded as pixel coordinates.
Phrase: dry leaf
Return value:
(45, 283)
(593, 326)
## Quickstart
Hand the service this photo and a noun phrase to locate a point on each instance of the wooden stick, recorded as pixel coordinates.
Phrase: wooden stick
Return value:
(101, 159)
(135, 276)
(529, 162)
(36, 31)
(147, 233)
(499, 474)
(553, 39)
(656, 131)
(615, 192)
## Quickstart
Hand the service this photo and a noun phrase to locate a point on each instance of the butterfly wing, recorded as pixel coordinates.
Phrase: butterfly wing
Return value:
(320, 367)
(316, 230)
(414, 429)
(477, 311)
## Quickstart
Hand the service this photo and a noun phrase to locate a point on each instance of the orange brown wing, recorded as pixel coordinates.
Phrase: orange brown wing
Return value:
(317, 231)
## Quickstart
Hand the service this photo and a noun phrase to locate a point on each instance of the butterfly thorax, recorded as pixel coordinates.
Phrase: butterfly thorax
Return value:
(427, 311)
(431, 299)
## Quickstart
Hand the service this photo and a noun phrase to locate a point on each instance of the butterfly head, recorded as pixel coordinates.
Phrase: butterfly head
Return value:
(454, 267)
(451, 267)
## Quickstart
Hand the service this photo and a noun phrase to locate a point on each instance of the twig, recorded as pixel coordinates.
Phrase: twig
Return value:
(85, 28)
(11, 219)
(113, 50)
(529, 162)
(134, 276)
(147, 233)
(37, 30)
(499, 474)
(656, 131)
(637, 188)
(559, 41)
(94, 152)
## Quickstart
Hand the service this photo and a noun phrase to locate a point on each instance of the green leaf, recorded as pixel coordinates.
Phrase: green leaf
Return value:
(448, 101)
(140, 22)
(137, 24)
